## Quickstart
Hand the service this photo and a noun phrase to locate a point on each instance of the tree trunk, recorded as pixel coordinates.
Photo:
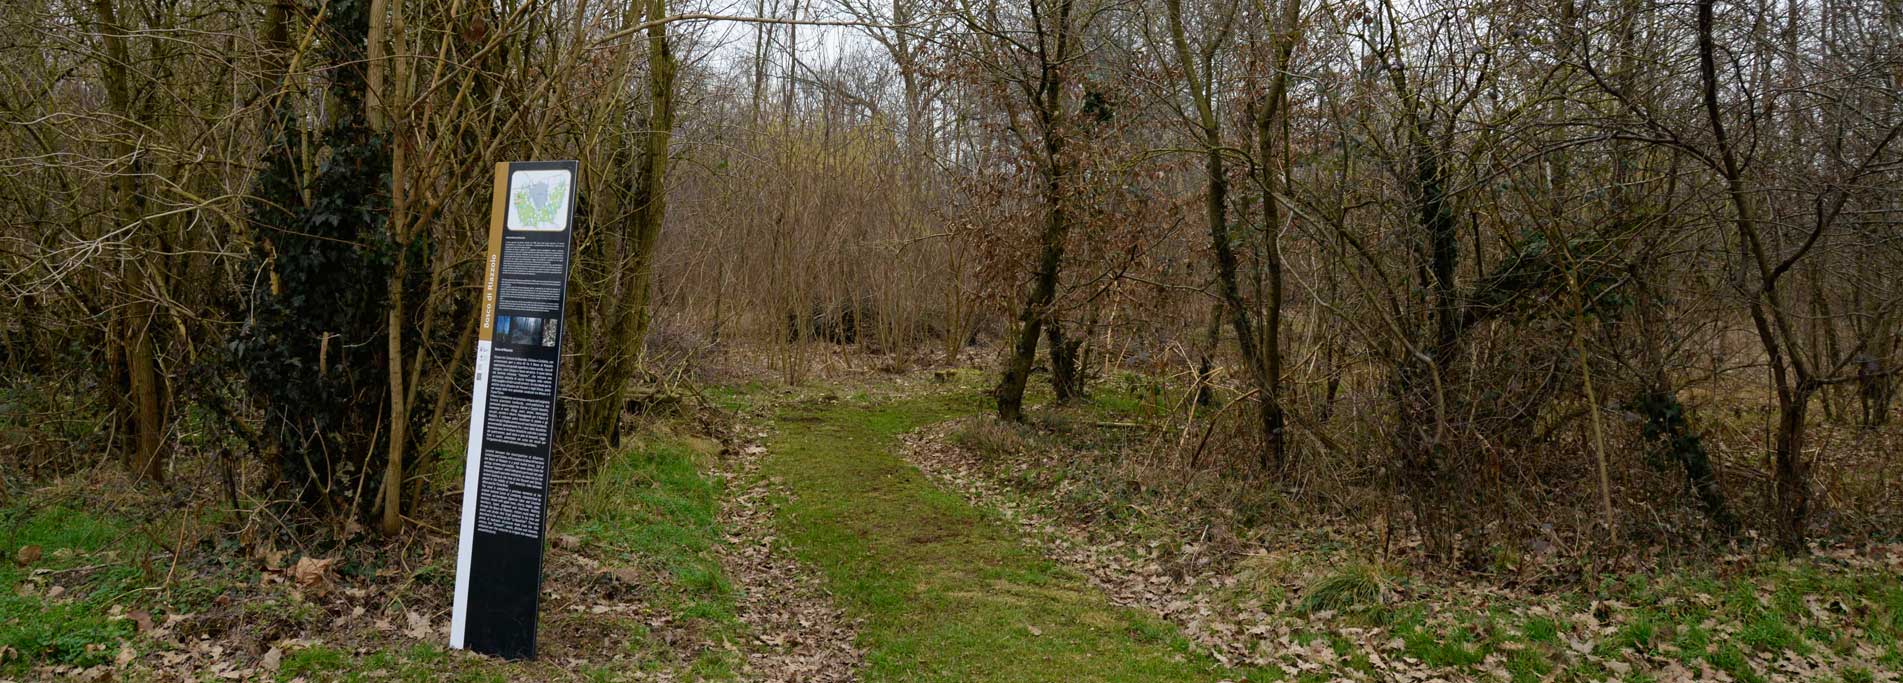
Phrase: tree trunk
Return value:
(1793, 474)
(1205, 365)
(1790, 374)
(1263, 362)
(601, 415)
(145, 380)
(435, 433)
(1268, 408)
(1037, 306)
(1269, 375)
(399, 414)
(1017, 369)
(137, 327)
(397, 225)
(1271, 121)
(650, 196)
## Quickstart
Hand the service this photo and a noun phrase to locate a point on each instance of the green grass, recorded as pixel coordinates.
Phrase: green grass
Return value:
(736, 397)
(945, 591)
(1454, 648)
(312, 661)
(1640, 634)
(1528, 665)
(1733, 661)
(73, 628)
(1541, 630)
(654, 507)
(657, 507)
(415, 664)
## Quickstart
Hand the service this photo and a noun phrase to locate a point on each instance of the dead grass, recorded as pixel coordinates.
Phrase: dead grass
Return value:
(991, 438)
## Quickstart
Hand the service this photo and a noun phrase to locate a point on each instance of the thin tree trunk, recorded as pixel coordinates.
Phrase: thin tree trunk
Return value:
(1017, 370)
(1205, 366)
(1792, 474)
(435, 432)
(145, 388)
(1263, 362)
(650, 197)
(137, 324)
(1271, 123)
(1790, 375)
(1066, 369)
(399, 228)
(1592, 404)
(399, 413)
(1269, 411)
(1037, 307)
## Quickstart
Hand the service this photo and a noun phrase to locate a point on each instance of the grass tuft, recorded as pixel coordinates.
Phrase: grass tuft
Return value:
(1356, 587)
(991, 439)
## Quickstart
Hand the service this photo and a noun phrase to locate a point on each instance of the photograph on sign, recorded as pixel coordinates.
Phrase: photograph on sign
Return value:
(521, 330)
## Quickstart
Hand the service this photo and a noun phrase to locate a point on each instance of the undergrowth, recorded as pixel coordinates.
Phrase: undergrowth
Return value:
(54, 607)
(657, 507)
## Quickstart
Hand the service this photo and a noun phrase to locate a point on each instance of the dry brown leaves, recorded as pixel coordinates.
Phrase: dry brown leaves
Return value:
(1216, 593)
(312, 574)
(798, 635)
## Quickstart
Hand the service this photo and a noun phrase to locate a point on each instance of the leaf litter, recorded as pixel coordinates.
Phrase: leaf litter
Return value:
(797, 632)
(1253, 601)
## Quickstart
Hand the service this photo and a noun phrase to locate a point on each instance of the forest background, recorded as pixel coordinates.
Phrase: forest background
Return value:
(1596, 283)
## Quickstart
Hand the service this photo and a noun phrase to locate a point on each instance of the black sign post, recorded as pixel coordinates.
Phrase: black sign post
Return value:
(511, 416)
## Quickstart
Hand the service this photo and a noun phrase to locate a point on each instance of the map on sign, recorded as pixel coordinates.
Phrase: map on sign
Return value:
(538, 200)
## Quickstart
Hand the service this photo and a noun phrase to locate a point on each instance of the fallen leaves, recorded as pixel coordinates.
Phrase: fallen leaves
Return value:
(799, 635)
(312, 574)
(1235, 604)
(417, 626)
(1579, 645)
(628, 578)
(142, 619)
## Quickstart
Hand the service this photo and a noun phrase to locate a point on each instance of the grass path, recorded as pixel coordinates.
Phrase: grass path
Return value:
(945, 591)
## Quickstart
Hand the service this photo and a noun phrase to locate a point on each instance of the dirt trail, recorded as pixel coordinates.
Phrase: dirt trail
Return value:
(942, 590)
(798, 632)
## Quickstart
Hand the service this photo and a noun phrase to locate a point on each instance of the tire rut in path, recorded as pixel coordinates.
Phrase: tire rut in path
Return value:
(798, 633)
